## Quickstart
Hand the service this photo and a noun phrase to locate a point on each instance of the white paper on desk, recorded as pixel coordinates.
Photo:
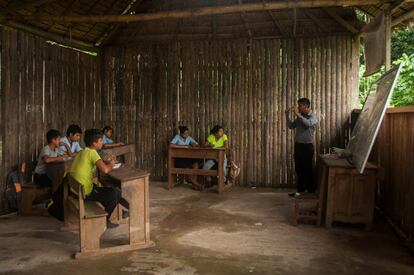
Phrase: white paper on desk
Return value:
(117, 165)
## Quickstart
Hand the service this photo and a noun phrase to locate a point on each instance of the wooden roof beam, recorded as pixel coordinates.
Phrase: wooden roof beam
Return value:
(406, 16)
(316, 21)
(204, 11)
(21, 5)
(243, 18)
(341, 21)
(114, 28)
(53, 37)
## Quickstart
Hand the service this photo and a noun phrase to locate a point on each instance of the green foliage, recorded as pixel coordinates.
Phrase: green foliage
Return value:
(402, 51)
(403, 94)
(404, 91)
(402, 42)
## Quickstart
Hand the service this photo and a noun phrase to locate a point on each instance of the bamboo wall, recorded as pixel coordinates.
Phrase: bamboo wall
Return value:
(244, 85)
(394, 153)
(42, 87)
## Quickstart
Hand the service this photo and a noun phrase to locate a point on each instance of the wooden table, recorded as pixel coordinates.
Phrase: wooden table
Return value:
(56, 170)
(350, 196)
(127, 151)
(197, 153)
(134, 186)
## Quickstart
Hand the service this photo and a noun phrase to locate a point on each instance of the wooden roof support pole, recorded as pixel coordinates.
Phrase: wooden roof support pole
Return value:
(341, 21)
(53, 37)
(388, 34)
(204, 11)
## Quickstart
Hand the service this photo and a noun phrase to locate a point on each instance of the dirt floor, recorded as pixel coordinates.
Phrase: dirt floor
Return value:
(244, 231)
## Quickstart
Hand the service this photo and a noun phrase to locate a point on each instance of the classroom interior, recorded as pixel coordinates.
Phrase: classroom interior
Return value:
(145, 68)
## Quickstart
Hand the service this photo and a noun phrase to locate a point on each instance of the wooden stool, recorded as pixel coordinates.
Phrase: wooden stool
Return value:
(32, 193)
(314, 214)
(317, 199)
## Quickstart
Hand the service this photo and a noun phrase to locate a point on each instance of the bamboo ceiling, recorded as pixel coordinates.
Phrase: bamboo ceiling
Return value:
(318, 19)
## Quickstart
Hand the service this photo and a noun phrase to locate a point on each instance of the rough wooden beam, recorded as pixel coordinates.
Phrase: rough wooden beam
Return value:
(341, 21)
(316, 21)
(247, 7)
(243, 18)
(396, 6)
(295, 14)
(52, 37)
(388, 36)
(277, 25)
(114, 28)
(21, 5)
(406, 16)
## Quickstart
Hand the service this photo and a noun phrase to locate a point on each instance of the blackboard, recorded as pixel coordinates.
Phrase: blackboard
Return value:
(369, 121)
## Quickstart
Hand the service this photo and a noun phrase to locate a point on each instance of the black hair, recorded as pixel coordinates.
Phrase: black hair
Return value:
(52, 134)
(107, 128)
(216, 129)
(182, 129)
(91, 136)
(304, 101)
(73, 129)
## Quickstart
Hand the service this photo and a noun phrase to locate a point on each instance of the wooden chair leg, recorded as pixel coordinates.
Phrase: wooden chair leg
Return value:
(28, 197)
(319, 209)
(91, 232)
(296, 213)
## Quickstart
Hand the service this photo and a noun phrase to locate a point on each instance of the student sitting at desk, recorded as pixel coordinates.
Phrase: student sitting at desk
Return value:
(83, 169)
(49, 153)
(107, 141)
(183, 139)
(70, 144)
(216, 139)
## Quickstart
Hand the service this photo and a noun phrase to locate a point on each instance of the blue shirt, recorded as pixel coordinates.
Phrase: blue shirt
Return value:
(179, 140)
(107, 140)
(75, 147)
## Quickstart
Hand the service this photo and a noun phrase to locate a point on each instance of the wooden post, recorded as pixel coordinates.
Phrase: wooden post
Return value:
(388, 34)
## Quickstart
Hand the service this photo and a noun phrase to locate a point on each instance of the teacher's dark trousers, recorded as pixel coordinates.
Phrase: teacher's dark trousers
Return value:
(304, 167)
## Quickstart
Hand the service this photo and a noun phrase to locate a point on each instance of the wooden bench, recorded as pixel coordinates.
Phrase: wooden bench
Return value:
(32, 193)
(90, 215)
(197, 153)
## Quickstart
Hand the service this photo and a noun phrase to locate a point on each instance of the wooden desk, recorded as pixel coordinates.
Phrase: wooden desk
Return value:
(197, 153)
(128, 151)
(134, 186)
(56, 170)
(350, 196)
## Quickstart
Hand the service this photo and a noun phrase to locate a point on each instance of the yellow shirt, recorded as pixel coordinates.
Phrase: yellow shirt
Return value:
(217, 143)
(83, 167)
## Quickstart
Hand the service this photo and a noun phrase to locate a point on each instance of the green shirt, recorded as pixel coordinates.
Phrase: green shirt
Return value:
(83, 168)
(217, 143)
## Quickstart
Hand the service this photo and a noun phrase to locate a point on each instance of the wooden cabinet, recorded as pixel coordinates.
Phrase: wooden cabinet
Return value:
(350, 196)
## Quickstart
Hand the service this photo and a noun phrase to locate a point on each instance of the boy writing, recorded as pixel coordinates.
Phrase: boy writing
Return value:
(83, 169)
(70, 144)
